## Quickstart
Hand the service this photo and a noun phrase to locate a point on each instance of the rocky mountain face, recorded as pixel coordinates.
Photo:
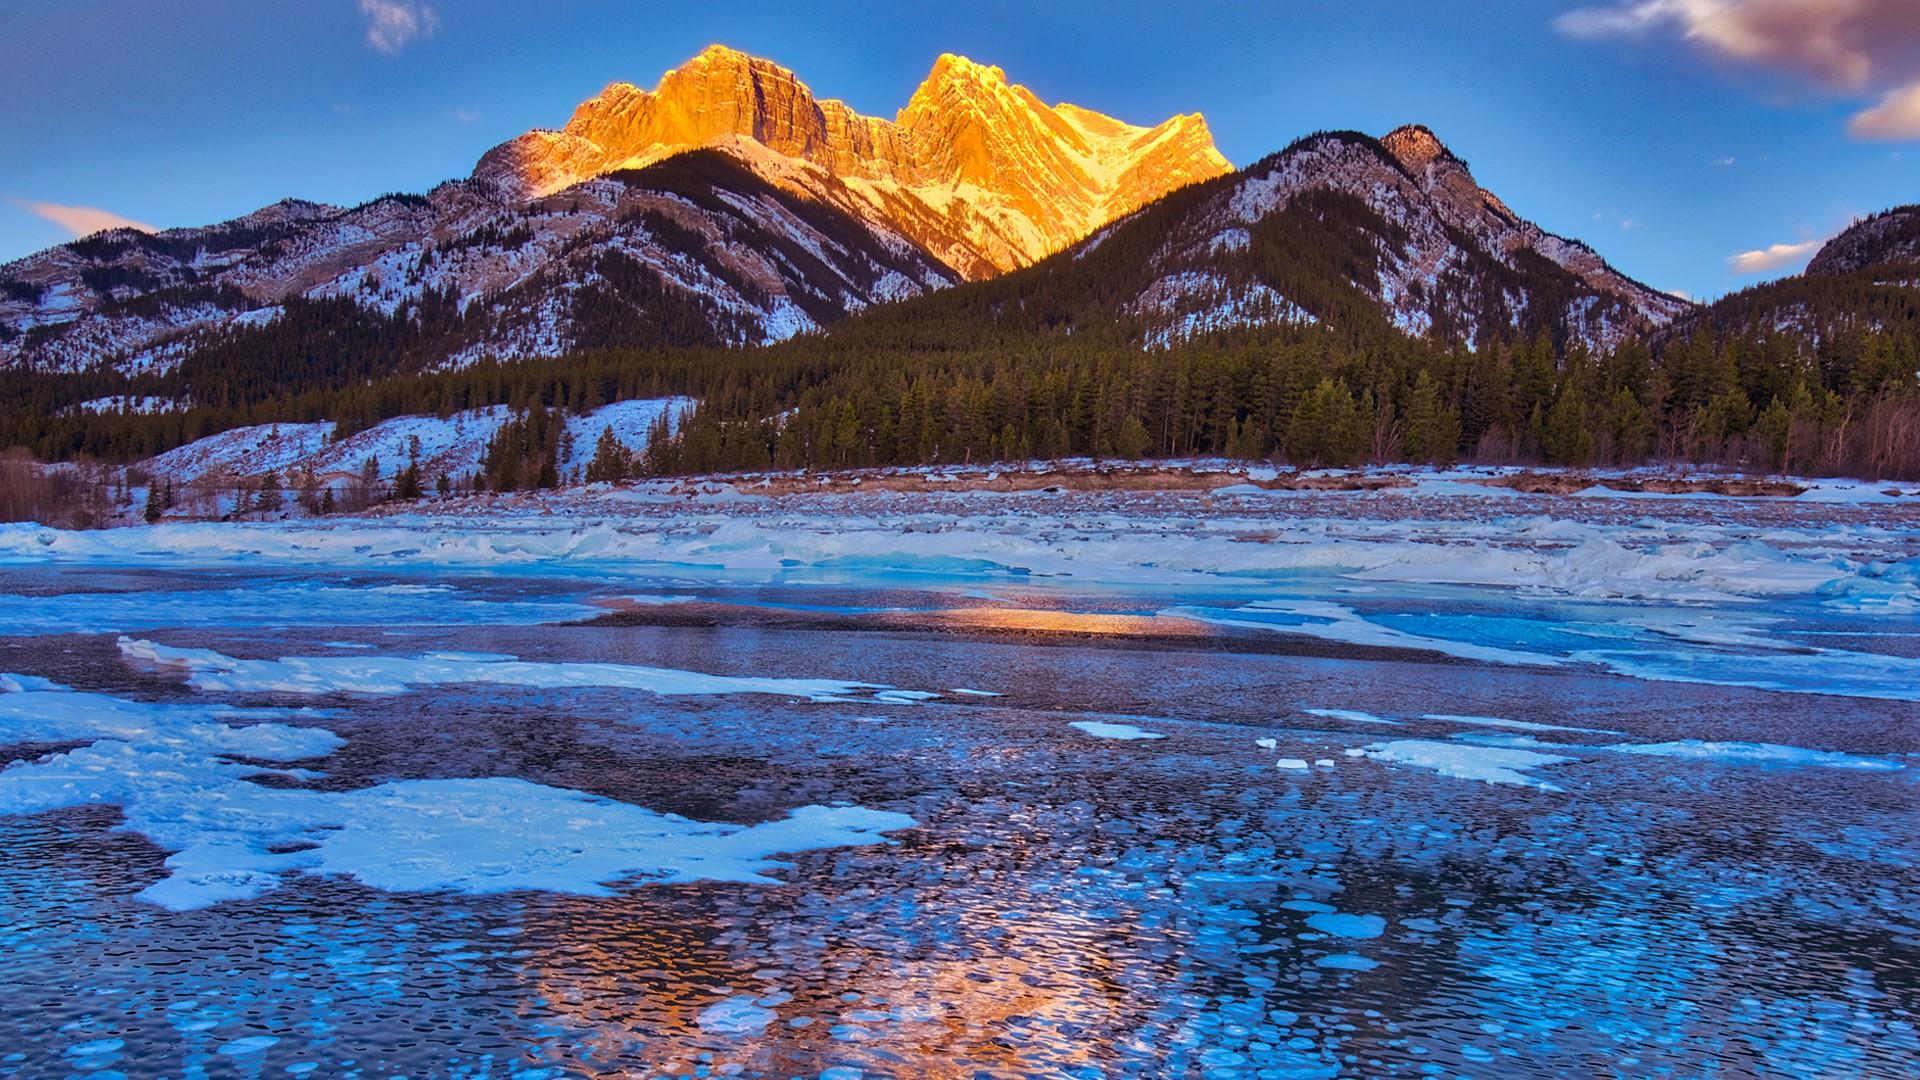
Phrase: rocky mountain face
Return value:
(978, 171)
(578, 238)
(1865, 280)
(1888, 238)
(1344, 228)
(729, 205)
(697, 250)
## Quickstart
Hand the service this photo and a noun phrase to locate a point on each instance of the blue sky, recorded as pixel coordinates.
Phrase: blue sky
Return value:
(1672, 135)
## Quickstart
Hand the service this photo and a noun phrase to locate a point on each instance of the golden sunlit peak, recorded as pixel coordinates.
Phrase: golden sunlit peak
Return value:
(976, 169)
(953, 65)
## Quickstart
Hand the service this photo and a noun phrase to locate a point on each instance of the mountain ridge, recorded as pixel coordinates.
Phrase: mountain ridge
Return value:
(1367, 234)
(977, 169)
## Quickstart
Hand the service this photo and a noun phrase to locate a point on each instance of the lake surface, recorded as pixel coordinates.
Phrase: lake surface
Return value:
(947, 821)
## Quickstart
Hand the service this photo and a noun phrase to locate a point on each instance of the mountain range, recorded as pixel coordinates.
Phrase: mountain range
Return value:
(730, 205)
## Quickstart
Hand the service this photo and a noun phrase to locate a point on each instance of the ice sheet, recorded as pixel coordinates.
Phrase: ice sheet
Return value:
(1487, 764)
(1102, 729)
(173, 771)
(362, 674)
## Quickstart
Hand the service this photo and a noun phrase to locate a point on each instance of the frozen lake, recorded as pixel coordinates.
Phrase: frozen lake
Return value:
(1080, 786)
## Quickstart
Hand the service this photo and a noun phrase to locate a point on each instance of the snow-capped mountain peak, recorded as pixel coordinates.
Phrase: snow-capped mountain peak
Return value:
(976, 169)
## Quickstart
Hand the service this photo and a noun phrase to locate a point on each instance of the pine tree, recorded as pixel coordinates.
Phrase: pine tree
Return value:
(1132, 440)
(1565, 437)
(154, 507)
(406, 485)
(611, 462)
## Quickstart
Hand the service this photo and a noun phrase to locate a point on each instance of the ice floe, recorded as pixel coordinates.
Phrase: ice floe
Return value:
(1340, 924)
(735, 1016)
(214, 671)
(1335, 622)
(1103, 729)
(1515, 725)
(1465, 761)
(1836, 672)
(182, 777)
(1752, 753)
(1351, 715)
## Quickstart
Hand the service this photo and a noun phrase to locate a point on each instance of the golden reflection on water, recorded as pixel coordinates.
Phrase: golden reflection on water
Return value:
(1013, 980)
(1065, 622)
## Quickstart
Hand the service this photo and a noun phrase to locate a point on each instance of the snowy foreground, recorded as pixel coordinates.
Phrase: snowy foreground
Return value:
(697, 779)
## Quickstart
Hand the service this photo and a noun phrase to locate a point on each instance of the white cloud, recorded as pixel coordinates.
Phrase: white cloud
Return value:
(80, 220)
(467, 116)
(1724, 162)
(1895, 119)
(1774, 257)
(392, 25)
(1852, 47)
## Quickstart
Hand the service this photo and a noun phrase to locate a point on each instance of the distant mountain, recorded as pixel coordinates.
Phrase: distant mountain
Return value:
(978, 171)
(696, 250)
(1364, 234)
(1865, 280)
(799, 212)
(1889, 238)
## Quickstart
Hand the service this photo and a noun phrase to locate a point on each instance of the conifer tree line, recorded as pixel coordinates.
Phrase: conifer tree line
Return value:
(1312, 400)
(1300, 394)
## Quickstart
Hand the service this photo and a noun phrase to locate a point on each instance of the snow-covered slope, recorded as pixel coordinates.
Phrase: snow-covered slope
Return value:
(976, 169)
(697, 250)
(1340, 224)
(450, 446)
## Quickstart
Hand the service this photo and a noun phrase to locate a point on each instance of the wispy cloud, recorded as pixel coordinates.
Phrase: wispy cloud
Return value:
(467, 116)
(1852, 47)
(392, 25)
(1774, 257)
(1895, 119)
(80, 220)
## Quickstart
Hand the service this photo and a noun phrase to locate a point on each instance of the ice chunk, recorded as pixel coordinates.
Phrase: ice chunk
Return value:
(1487, 764)
(1346, 962)
(1291, 763)
(1101, 729)
(1340, 924)
(735, 1016)
(1352, 715)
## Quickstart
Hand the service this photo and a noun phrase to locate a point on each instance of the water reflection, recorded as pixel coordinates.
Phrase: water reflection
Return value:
(1068, 906)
